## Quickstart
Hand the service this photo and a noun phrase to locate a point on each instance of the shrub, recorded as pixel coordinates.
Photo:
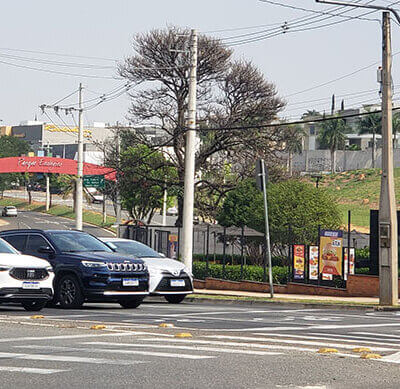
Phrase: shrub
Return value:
(276, 261)
(362, 253)
(232, 272)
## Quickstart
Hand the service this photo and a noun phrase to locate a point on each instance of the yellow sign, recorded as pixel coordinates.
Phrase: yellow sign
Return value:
(330, 252)
(75, 130)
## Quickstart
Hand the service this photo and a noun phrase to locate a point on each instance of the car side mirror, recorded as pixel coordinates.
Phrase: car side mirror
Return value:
(45, 250)
(162, 255)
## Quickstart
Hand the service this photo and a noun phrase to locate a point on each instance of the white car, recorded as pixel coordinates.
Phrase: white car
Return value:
(9, 211)
(168, 277)
(24, 279)
(173, 211)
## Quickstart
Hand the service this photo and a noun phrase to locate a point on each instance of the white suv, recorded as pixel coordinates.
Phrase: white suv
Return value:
(24, 279)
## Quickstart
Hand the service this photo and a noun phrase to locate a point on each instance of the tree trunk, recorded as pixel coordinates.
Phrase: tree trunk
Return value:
(373, 150)
(29, 197)
(290, 164)
(333, 161)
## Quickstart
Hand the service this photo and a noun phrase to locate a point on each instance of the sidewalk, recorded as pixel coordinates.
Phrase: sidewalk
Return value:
(371, 301)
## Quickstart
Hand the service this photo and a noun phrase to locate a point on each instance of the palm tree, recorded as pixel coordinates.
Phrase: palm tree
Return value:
(371, 124)
(332, 136)
(294, 143)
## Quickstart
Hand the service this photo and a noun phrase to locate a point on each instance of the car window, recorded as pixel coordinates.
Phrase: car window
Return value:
(17, 241)
(6, 248)
(69, 242)
(140, 250)
(34, 242)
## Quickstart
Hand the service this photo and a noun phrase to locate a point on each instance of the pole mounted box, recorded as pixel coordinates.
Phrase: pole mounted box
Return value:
(261, 174)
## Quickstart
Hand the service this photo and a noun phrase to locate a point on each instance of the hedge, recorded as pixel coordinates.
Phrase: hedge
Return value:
(232, 272)
(276, 261)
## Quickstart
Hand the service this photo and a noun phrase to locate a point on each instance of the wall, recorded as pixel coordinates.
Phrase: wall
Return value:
(320, 160)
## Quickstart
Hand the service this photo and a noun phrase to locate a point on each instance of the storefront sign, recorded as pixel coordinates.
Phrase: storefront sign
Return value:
(345, 262)
(313, 263)
(330, 252)
(298, 261)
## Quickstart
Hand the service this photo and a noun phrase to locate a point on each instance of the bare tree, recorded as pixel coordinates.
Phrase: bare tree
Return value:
(230, 94)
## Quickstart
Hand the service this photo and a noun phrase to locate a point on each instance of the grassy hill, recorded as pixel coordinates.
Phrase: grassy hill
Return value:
(358, 191)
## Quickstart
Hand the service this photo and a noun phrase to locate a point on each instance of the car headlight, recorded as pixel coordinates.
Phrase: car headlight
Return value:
(49, 269)
(5, 268)
(93, 264)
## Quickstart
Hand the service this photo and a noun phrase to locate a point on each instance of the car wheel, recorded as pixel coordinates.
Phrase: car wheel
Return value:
(131, 303)
(69, 292)
(175, 298)
(35, 305)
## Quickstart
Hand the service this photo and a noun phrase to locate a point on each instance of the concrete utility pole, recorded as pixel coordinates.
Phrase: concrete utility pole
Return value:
(164, 209)
(118, 196)
(388, 238)
(79, 177)
(188, 197)
(47, 191)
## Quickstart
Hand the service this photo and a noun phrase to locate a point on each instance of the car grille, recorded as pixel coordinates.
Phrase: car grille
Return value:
(165, 285)
(22, 273)
(126, 267)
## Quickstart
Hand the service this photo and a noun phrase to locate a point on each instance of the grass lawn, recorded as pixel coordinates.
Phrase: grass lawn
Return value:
(59, 210)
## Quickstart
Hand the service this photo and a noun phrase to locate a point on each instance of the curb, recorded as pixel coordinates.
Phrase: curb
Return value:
(207, 300)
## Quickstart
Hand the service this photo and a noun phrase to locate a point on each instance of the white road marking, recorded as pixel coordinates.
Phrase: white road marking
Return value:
(292, 341)
(30, 370)
(393, 358)
(375, 334)
(112, 351)
(194, 348)
(61, 337)
(362, 339)
(336, 337)
(62, 358)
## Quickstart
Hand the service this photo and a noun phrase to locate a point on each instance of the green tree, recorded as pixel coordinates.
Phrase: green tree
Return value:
(143, 173)
(294, 203)
(332, 136)
(396, 128)
(11, 147)
(371, 124)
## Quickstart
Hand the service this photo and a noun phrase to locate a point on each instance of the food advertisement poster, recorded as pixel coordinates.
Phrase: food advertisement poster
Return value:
(352, 260)
(298, 261)
(313, 263)
(330, 252)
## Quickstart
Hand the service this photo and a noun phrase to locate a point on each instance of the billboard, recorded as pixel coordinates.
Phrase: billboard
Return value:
(330, 252)
(313, 263)
(298, 261)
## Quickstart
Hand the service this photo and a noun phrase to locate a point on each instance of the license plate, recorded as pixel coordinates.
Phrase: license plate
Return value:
(31, 285)
(177, 282)
(130, 282)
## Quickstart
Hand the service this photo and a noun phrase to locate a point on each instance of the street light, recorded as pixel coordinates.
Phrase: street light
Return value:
(388, 238)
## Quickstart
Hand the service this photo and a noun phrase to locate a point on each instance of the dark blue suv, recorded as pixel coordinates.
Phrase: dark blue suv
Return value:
(86, 269)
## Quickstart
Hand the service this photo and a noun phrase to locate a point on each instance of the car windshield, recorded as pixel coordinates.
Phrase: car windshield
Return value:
(5, 248)
(137, 249)
(71, 242)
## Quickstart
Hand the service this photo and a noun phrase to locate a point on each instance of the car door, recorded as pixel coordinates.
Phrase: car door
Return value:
(18, 241)
(34, 242)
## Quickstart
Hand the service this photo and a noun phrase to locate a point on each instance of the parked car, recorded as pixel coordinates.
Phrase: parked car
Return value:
(172, 211)
(168, 277)
(9, 211)
(86, 269)
(24, 279)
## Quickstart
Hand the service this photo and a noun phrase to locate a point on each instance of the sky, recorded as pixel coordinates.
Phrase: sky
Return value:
(297, 62)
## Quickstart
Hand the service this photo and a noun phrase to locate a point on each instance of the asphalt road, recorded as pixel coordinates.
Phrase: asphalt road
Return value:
(39, 220)
(233, 346)
(56, 199)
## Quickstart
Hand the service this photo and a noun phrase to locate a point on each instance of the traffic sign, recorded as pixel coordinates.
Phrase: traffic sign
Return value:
(94, 181)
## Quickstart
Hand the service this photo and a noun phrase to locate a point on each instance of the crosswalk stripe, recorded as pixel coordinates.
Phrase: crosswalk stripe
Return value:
(292, 341)
(113, 351)
(62, 358)
(361, 339)
(337, 337)
(195, 348)
(378, 335)
(31, 370)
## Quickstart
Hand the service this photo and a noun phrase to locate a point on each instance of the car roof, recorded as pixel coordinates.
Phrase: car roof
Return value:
(30, 230)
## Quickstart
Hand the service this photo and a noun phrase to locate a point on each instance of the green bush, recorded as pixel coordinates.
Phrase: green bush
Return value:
(276, 261)
(362, 270)
(362, 253)
(232, 272)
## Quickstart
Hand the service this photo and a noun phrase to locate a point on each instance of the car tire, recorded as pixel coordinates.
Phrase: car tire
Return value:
(34, 306)
(175, 298)
(131, 303)
(69, 292)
